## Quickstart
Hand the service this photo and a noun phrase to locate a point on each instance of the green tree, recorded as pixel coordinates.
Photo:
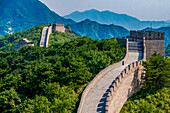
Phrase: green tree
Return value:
(9, 101)
(157, 73)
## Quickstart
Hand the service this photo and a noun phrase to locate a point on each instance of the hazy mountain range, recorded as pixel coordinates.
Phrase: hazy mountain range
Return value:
(19, 15)
(108, 17)
(168, 21)
(98, 31)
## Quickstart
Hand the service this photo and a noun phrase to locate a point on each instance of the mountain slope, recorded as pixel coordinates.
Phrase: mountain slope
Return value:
(107, 17)
(19, 15)
(34, 35)
(98, 31)
(166, 30)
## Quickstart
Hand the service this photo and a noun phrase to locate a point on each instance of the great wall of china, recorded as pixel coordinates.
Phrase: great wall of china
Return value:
(110, 89)
(47, 30)
(96, 97)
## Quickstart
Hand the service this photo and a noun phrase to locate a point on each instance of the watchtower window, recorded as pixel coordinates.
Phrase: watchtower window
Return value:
(149, 34)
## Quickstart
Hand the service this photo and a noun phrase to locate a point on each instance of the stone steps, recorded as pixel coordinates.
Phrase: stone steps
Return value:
(135, 47)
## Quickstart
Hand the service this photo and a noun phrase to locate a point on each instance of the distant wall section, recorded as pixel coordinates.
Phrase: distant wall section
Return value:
(58, 27)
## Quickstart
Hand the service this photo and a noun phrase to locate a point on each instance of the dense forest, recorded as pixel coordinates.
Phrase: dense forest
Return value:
(35, 79)
(154, 95)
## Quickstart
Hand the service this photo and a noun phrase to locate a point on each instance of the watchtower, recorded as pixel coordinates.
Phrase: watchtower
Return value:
(153, 41)
(58, 27)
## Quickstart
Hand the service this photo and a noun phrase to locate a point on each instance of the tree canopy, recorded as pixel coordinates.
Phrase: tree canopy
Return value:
(35, 79)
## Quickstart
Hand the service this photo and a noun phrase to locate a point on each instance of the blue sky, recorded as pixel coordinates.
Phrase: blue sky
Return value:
(142, 9)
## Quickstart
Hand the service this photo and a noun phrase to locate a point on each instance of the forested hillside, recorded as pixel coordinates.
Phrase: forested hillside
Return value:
(7, 42)
(35, 79)
(98, 31)
(154, 96)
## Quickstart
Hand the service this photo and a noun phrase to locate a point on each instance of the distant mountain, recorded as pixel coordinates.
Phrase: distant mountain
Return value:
(98, 31)
(107, 17)
(168, 21)
(19, 15)
(167, 33)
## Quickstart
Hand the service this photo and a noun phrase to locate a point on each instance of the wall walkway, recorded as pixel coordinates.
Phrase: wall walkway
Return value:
(94, 97)
(45, 36)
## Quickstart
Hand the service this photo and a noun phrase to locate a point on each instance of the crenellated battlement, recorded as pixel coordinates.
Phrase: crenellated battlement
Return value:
(134, 73)
(110, 89)
(152, 35)
(149, 35)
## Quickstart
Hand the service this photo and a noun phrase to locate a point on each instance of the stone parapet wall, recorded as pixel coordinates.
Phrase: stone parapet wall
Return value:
(124, 86)
(48, 35)
(99, 76)
(43, 36)
(154, 46)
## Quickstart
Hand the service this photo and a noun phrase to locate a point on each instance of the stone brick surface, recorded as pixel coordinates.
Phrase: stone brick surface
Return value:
(96, 98)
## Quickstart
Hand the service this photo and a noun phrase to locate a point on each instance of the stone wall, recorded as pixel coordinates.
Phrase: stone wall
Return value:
(99, 76)
(48, 35)
(153, 35)
(124, 86)
(47, 30)
(58, 27)
(154, 46)
(44, 36)
(136, 35)
(153, 40)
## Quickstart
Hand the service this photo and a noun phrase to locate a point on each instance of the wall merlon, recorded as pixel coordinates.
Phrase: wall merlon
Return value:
(129, 67)
(115, 86)
(112, 91)
(122, 74)
(120, 78)
(127, 70)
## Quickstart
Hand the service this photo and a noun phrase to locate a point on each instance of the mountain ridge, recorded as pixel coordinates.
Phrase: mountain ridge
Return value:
(108, 17)
(19, 15)
(98, 31)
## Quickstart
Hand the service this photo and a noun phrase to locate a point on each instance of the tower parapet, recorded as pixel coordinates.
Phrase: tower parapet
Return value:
(58, 27)
(152, 35)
